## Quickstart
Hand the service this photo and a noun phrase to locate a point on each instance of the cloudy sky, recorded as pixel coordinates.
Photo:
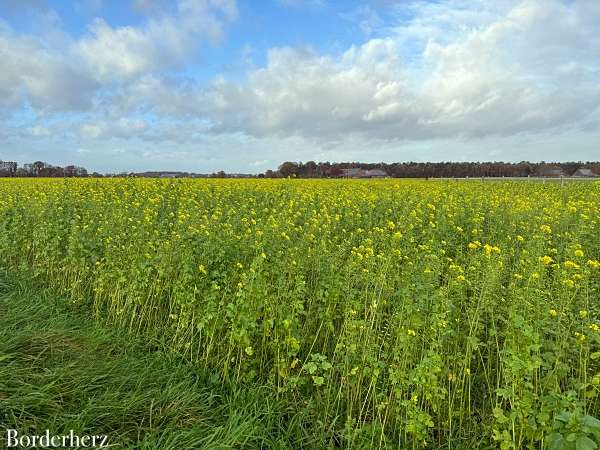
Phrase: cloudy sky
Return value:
(243, 85)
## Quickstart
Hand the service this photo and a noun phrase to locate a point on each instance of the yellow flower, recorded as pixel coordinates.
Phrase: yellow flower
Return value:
(411, 332)
(579, 253)
(474, 245)
(545, 229)
(520, 238)
(553, 313)
(546, 260)
(202, 269)
(488, 249)
(583, 313)
(594, 327)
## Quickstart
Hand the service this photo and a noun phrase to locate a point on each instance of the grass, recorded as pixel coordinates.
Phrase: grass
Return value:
(61, 371)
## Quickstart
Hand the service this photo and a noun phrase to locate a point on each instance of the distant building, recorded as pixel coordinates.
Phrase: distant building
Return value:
(551, 172)
(374, 173)
(352, 173)
(360, 173)
(587, 173)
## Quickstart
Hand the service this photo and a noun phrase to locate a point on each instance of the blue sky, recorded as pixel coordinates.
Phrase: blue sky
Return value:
(204, 85)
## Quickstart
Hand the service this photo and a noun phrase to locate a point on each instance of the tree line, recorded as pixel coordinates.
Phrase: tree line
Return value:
(312, 169)
(449, 169)
(42, 169)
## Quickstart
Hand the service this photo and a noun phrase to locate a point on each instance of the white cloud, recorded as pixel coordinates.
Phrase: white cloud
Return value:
(48, 80)
(121, 128)
(55, 72)
(530, 67)
(39, 131)
(128, 52)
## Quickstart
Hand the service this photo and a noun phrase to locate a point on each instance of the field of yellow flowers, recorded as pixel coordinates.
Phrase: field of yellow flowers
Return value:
(401, 314)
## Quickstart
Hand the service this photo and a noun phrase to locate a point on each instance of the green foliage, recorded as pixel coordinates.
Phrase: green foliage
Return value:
(402, 314)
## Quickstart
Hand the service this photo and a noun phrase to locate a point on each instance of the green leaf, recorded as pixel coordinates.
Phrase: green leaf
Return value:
(318, 380)
(557, 442)
(499, 415)
(310, 367)
(585, 443)
(591, 422)
(326, 365)
(564, 416)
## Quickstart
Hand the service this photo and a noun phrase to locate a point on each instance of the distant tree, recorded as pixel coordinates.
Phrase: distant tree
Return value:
(37, 167)
(334, 172)
(70, 171)
(309, 169)
(8, 168)
(289, 169)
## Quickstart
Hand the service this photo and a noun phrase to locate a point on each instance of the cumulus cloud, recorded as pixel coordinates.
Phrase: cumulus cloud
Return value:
(122, 128)
(301, 92)
(46, 79)
(56, 72)
(529, 67)
(127, 52)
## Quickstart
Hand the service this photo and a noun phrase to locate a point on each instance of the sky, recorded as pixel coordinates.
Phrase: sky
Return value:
(243, 85)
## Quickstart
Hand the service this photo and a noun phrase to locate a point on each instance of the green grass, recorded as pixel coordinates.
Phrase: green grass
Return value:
(61, 371)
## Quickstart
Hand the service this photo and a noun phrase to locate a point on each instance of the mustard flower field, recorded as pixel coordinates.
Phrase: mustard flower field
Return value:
(392, 313)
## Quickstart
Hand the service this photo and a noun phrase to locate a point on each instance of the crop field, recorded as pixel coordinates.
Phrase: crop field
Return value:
(387, 314)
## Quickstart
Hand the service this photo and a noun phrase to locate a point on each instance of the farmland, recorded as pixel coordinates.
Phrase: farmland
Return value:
(391, 314)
